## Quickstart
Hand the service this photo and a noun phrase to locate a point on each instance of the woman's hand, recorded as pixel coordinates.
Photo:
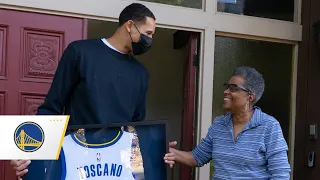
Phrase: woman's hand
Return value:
(170, 157)
(175, 155)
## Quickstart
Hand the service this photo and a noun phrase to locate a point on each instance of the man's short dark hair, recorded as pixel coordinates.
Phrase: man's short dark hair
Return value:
(135, 12)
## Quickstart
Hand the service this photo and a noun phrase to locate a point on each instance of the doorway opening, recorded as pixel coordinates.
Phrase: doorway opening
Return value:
(275, 62)
(172, 85)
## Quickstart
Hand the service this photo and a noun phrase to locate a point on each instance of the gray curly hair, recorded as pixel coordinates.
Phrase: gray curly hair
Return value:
(253, 80)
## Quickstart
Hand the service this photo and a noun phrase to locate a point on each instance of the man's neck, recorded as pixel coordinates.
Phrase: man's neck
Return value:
(119, 42)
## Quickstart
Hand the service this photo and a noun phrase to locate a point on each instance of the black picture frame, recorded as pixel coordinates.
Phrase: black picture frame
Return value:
(71, 128)
(38, 166)
(110, 125)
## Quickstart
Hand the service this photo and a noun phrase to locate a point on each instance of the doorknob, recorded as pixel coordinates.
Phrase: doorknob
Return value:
(311, 159)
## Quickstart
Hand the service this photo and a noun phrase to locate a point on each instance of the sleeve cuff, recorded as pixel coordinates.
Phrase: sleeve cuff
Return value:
(195, 157)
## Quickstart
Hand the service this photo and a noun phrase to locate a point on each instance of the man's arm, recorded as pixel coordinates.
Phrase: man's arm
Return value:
(65, 79)
(140, 111)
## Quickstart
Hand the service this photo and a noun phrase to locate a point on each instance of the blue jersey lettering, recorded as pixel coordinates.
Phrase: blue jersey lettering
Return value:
(106, 172)
(119, 170)
(99, 172)
(113, 169)
(86, 168)
(93, 172)
(96, 170)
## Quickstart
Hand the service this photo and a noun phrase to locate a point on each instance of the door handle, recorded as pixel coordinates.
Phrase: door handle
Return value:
(311, 159)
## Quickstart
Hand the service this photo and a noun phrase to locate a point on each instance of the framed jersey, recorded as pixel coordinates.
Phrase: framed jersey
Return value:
(109, 160)
(124, 151)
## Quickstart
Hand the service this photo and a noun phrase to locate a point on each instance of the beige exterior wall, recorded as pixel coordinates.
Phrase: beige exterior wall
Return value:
(207, 21)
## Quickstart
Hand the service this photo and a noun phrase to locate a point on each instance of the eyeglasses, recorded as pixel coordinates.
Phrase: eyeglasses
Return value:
(235, 88)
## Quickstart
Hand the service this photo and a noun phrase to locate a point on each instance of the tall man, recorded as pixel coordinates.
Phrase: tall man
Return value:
(99, 81)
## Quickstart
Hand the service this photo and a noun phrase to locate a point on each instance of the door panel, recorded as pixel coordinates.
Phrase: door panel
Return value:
(3, 50)
(40, 53)
(313, 98)
(307, 94)
(188, 116)
(31, 45)
(3, 45)
(2, 102)
(29, 102)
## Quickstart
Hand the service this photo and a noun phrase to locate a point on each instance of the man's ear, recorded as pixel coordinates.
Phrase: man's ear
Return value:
(129, 25)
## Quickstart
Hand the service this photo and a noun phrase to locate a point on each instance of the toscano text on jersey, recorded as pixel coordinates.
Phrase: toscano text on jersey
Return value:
(111, 160)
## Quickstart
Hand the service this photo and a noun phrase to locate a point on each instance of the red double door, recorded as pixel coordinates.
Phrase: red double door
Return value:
(31, 45)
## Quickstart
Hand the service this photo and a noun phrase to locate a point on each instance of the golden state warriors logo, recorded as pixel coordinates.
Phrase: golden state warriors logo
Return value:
(29, 136)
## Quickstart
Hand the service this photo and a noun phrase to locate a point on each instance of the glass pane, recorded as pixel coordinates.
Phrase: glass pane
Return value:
(273, 9)
(185, 3)
(273, 60)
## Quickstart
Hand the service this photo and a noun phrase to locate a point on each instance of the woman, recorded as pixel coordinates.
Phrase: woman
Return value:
(245, 143)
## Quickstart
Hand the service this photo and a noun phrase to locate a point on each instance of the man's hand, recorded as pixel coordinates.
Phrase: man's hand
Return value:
(170, 157)
(20, 166)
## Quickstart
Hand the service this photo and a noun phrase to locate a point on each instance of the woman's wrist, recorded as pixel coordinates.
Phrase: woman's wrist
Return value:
(185, 158)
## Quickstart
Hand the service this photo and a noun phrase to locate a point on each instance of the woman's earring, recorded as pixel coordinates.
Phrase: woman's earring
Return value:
(247, 106)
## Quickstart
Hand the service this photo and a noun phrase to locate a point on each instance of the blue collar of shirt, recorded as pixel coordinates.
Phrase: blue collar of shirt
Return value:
(256, 119)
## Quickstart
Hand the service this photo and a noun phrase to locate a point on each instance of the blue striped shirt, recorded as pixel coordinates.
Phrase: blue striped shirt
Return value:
(259, 151)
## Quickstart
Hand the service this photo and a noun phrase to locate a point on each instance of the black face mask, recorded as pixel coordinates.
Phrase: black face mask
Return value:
(143, 45)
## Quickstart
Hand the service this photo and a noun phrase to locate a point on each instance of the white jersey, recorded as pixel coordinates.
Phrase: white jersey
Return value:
(111, 161)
